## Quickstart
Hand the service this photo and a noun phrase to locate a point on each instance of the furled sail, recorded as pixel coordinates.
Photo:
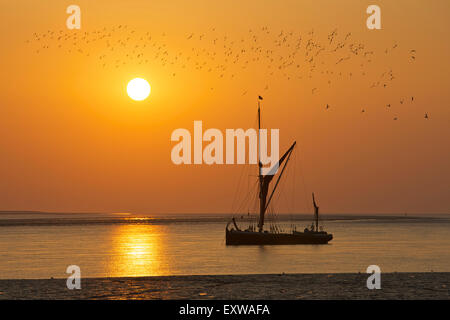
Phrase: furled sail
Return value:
(264, 182)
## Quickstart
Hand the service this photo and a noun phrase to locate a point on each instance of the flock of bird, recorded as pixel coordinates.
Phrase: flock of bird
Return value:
(282, 54)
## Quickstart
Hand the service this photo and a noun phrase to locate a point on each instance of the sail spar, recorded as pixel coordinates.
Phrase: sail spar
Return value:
(264, 182)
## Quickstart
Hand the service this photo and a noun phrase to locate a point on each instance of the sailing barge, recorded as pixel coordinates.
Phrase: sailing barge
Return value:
(235, 236)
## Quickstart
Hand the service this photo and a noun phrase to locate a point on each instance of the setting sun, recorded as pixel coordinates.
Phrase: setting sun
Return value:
(138, 89)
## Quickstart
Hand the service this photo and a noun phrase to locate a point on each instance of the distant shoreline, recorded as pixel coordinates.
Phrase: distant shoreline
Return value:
(65, 219)
(408, 286)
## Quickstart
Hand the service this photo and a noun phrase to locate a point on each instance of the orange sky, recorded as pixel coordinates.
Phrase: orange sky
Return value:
(71, 139)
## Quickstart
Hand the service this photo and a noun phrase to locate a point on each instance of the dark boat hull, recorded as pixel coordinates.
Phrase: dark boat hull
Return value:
(234, 237)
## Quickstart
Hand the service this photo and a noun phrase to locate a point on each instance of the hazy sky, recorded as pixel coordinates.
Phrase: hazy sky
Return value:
(72, 140)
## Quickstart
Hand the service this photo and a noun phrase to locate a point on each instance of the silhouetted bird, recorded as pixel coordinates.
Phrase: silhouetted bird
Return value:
(260, 98)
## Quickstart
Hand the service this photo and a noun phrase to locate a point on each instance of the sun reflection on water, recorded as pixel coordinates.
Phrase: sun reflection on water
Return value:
(137, 251)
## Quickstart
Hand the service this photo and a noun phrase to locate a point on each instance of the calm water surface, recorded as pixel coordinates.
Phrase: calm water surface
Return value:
(43, 247)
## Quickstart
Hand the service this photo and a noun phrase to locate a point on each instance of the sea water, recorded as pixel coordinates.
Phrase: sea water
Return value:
(38, 245)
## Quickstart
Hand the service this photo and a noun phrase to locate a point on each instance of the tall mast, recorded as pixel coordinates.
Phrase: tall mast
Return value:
(264, 180)
(259, 141)
(262, 196)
